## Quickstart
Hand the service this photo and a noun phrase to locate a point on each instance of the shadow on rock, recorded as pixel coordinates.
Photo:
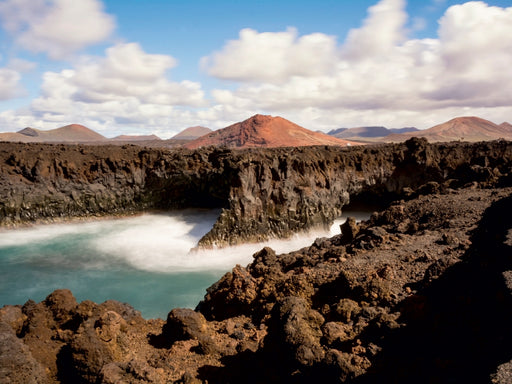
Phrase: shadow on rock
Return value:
(458, 326)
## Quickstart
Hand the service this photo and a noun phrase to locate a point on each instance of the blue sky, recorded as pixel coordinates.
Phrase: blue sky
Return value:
(140, 67)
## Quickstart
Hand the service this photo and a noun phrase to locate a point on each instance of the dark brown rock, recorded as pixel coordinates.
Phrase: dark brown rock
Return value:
(17, 365)
(184, 324)
(349, 230)
(13, 316)
(62, 304)
(265, 192)
(297, 331)
(418, 293)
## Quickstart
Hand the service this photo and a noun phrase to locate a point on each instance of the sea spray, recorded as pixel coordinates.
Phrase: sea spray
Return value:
(145, 260)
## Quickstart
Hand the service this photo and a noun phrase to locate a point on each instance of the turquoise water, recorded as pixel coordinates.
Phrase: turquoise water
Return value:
(146, 260)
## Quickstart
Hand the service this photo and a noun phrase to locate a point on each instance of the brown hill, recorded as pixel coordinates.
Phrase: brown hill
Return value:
(75, 133)
(17, 137)
(468, 128)
(265, 131)
(192, 133)
(72, 132)
(506, 126)
(130, 138)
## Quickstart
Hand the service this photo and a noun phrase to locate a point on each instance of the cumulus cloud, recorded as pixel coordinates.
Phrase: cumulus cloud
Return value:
(377, 75)
(476, 53)
(10, 78)
(383, 29)
(125, 87)
(9, 84)
(378, 70)
(56, 27)
(128, 72)
(272, 56)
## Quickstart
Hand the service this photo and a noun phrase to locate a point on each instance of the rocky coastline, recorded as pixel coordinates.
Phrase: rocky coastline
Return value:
(421, 292)
(263, 193)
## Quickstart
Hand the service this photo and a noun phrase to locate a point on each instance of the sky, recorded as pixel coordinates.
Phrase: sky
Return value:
(160, 66)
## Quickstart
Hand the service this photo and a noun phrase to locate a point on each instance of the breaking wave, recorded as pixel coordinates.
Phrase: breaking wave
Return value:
(144, 260)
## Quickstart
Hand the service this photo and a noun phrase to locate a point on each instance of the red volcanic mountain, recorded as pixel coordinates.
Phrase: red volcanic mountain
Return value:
(467, 128)
(265, 131)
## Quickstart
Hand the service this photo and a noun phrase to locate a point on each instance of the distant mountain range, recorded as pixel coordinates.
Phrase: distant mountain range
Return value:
(265, 131)
(368, 132)
(68, 133)
(467, 128)
(268, 131)
(76, 133)
(135, 138)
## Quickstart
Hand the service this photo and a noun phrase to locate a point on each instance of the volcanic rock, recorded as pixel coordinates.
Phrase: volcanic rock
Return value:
(415, 307)
(263, 193)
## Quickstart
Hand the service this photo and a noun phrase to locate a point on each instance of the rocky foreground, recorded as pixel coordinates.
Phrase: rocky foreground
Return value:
(420, 293)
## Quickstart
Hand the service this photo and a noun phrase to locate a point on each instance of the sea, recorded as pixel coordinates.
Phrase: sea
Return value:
(149, 261)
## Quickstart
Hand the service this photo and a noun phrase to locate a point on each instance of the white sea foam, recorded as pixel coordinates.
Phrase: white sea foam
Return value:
(42, 233)
(154, 243)
(164, 243)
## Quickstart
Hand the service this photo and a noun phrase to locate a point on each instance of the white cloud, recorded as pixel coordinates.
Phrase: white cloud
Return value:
(128, 87)
(21, 65)
(10, 78)
(272, 56)
(476, 52)
(378, 73)
(382, 30)
(56, 27)
(9, 84)
(128, 72)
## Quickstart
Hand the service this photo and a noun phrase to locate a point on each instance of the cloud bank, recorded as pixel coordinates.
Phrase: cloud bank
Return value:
(377, 70)
(57, 28)
(128, 86)
(375, 75)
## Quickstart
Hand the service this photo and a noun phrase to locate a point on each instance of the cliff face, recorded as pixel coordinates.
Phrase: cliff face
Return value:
(281, 191)
(263, 192)
(413, 295)
(44, 182)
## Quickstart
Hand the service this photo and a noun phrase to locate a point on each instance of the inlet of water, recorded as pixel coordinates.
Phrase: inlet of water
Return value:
(145, 260)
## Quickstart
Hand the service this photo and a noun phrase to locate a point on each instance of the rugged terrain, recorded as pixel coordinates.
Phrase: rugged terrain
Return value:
(420, 293)
(263, 192)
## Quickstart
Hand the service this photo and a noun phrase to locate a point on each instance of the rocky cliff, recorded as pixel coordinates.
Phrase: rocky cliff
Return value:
(263, 192)
(420, 293)
(416, 294)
